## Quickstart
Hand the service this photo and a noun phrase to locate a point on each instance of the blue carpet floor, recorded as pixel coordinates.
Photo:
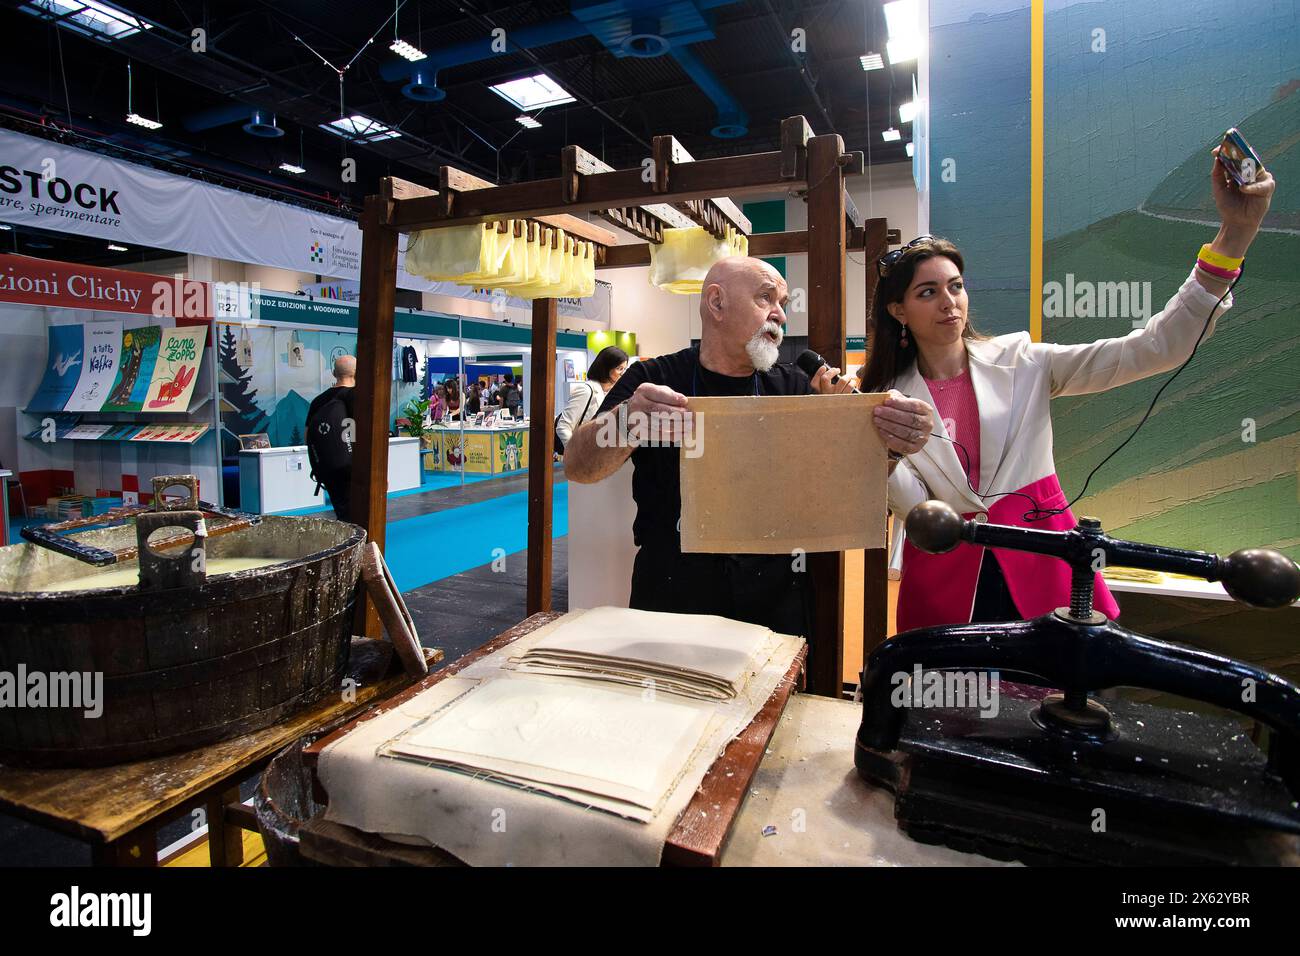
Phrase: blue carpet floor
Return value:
(430, 547)
(433, 481)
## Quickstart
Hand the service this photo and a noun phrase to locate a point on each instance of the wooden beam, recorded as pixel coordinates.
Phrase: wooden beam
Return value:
(754, 174)
(760, 244)
(576, 162)
(875, 563)
(795, 133)
(541, 451)
(668, 155)
(369, 485)
(456, 181)
(390, 187)
(826, 334)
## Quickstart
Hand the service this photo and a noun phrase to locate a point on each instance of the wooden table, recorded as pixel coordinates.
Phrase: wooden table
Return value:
(118, 809)
(696, 840)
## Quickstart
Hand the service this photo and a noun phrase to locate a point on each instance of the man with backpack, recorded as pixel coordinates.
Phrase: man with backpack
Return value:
(331, 431)
(511, 395)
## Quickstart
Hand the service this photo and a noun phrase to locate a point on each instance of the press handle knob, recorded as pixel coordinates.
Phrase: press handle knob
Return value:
(934, 527)
(1261, 577)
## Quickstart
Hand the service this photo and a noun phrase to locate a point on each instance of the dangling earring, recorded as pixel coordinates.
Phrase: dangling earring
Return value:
(902, 341)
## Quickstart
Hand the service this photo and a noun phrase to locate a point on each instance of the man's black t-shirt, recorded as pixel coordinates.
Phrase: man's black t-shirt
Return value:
(656, 481)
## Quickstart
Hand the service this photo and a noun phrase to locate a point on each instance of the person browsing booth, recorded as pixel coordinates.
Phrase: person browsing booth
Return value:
(742, 312)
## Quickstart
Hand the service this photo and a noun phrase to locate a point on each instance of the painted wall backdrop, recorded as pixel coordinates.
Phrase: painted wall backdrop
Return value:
(1135, 97)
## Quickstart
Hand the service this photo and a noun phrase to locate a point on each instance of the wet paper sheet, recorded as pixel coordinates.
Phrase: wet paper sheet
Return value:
(771, 474)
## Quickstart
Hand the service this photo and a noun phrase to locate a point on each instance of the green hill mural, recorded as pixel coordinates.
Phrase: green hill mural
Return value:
(1217, 465)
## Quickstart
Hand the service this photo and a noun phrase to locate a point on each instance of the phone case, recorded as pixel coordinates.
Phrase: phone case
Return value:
(1241, 162)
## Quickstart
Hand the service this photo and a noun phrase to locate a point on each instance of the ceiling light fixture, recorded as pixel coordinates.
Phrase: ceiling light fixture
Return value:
(527, 122)
(872, 61)
(291, 168)
(412, 53)
(890, 135)
(907, 112)
(114, 247)
(911, 149)
(532, 92)
(903, 18)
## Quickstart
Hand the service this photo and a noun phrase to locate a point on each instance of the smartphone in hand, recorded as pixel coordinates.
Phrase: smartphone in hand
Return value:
(1238, 158)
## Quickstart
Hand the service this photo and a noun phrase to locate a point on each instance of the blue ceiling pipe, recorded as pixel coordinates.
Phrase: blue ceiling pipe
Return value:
(643, 29)
(733, 121)
(472, 51)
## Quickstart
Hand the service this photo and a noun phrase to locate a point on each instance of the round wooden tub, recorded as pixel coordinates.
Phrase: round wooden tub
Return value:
(179, 668)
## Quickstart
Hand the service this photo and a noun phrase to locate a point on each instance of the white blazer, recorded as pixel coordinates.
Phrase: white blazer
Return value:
(582, 407)
(1014, 380)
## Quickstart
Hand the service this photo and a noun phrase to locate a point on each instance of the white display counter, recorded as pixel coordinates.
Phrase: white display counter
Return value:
(272, 480)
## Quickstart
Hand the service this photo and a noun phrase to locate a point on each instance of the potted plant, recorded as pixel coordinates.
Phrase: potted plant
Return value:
(415, 410)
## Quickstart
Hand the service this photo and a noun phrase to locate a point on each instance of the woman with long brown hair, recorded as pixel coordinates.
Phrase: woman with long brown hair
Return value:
(990, 454)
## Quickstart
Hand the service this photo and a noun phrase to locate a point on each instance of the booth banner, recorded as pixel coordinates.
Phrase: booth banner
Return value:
(57, 187)
(62, 369)
(103, 345)
(66, 285)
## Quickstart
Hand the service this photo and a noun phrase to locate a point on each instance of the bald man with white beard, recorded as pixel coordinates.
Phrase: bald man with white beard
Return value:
(742, 313)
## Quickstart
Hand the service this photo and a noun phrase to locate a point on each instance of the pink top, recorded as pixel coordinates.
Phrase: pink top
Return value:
(954, 398)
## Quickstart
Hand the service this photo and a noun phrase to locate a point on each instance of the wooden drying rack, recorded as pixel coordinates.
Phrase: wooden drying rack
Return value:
(681, 191)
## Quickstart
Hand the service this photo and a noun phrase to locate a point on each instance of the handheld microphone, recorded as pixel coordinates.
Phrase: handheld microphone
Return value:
(810, 363)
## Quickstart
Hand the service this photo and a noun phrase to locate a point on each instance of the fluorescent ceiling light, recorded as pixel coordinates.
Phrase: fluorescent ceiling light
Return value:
(903, 51)
(890, 135)
(532, 92)
(906, 112)
(402, 48)
(527, 122)
(911, 148)
(361, 128)
(87, 17)
(144, 121)
(5, 227)
(114, 247)
(291, 168)
(902, 17)
(872, 61)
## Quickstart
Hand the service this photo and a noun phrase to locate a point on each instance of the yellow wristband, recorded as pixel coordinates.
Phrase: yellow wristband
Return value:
(1216, 259)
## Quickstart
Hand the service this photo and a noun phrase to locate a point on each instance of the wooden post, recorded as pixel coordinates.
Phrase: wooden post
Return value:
(875, 561)
(826, 335)
(369, 504)
(541, 450)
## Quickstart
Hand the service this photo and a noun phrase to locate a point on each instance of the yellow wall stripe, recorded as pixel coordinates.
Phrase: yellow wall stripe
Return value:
(1036, 170)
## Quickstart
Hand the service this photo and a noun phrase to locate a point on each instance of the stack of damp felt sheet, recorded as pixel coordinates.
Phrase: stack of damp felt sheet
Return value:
(698, 656)
(499, 767)
(614, 749)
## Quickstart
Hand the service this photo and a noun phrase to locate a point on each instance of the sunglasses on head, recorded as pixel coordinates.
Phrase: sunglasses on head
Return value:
(890, 259)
